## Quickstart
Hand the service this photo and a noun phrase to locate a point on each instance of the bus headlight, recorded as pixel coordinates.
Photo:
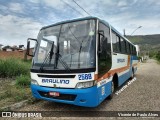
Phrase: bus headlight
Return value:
(85, 84)
(34, 82)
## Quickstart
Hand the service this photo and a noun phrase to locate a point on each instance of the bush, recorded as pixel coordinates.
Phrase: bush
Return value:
(14, 67)
(23, 80)
(158, 55)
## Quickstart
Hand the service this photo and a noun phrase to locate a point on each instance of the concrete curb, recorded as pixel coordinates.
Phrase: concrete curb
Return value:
(14, 106)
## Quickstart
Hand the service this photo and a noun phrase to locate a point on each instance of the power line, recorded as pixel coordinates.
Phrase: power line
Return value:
(72, 7)
(81, 7)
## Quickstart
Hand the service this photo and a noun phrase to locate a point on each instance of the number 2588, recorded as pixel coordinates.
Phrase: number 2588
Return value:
(85, 77)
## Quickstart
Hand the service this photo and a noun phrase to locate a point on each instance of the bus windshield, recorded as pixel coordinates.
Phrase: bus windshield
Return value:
(72, 46)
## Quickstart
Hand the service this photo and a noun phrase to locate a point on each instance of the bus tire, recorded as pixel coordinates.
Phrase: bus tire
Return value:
(112, 90)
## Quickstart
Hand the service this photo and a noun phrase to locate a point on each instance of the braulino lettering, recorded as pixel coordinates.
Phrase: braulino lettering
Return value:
(67, 81)
(61, 81)
(55, 81)
(44, 81)
(50, 80)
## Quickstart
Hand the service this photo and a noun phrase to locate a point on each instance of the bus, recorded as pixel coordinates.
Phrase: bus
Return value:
(80, 62)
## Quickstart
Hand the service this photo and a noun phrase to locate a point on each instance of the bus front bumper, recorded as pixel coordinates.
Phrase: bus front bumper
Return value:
(87, 97)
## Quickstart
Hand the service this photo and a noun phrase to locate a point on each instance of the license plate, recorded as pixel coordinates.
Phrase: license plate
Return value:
(55, 94)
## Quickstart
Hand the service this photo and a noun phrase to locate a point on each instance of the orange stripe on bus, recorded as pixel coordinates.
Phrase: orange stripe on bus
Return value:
(112, 72)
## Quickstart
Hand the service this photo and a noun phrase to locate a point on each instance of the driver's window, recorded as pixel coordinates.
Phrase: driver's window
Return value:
(45, 46)
(104, 56)
(42, 50)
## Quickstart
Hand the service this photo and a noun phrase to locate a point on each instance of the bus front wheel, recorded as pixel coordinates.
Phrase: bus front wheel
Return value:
(112, 91)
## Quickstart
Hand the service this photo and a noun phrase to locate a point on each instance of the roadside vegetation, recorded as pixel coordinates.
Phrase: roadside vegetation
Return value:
(158, 56)
(155, 55)
(14, 81)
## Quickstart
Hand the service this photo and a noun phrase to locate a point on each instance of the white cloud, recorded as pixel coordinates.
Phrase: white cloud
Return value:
(34, 1)
(16, 7)
(2, 7)
(122, 3)
(15, 30)
(149, 26)
(57, 4)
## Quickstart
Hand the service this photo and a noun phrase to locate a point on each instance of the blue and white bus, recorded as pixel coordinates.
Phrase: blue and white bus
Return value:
(80, 62)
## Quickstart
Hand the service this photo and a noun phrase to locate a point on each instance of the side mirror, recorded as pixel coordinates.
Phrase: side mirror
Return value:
(31, 43)
(101, 32)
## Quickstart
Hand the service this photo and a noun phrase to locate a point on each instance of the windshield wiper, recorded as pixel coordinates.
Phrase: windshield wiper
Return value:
(49, 55)
(59, 57)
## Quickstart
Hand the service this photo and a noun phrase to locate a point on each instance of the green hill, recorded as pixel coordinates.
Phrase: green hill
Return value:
(147, 43)
(145, 39)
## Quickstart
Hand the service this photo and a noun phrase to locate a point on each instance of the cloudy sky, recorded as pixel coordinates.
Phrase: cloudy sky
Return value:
(21, 19)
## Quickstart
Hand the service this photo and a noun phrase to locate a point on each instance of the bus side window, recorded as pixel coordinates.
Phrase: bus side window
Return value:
(104, 56)
(127, 46)
(114, 42)
(135, 52)
(118, 44)
(123, 47)
(125, 43)
(132, 49)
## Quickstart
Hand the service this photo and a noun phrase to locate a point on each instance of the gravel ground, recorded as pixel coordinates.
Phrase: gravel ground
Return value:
(141, 95)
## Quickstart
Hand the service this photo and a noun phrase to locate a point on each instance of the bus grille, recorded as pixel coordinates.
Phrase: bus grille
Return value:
(61, 97)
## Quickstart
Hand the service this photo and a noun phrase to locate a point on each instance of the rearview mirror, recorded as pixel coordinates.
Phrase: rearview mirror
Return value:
(31, 44)
(101, 32)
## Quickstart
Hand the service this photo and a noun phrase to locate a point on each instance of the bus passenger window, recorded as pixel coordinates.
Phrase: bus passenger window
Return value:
(123, 47)
(118, 44)
(114, 42)
(127, 46)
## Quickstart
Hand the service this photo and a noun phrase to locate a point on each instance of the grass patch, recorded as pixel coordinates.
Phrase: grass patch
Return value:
(23, 81)
(13, 67)
(14, 81)
(11, 93)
